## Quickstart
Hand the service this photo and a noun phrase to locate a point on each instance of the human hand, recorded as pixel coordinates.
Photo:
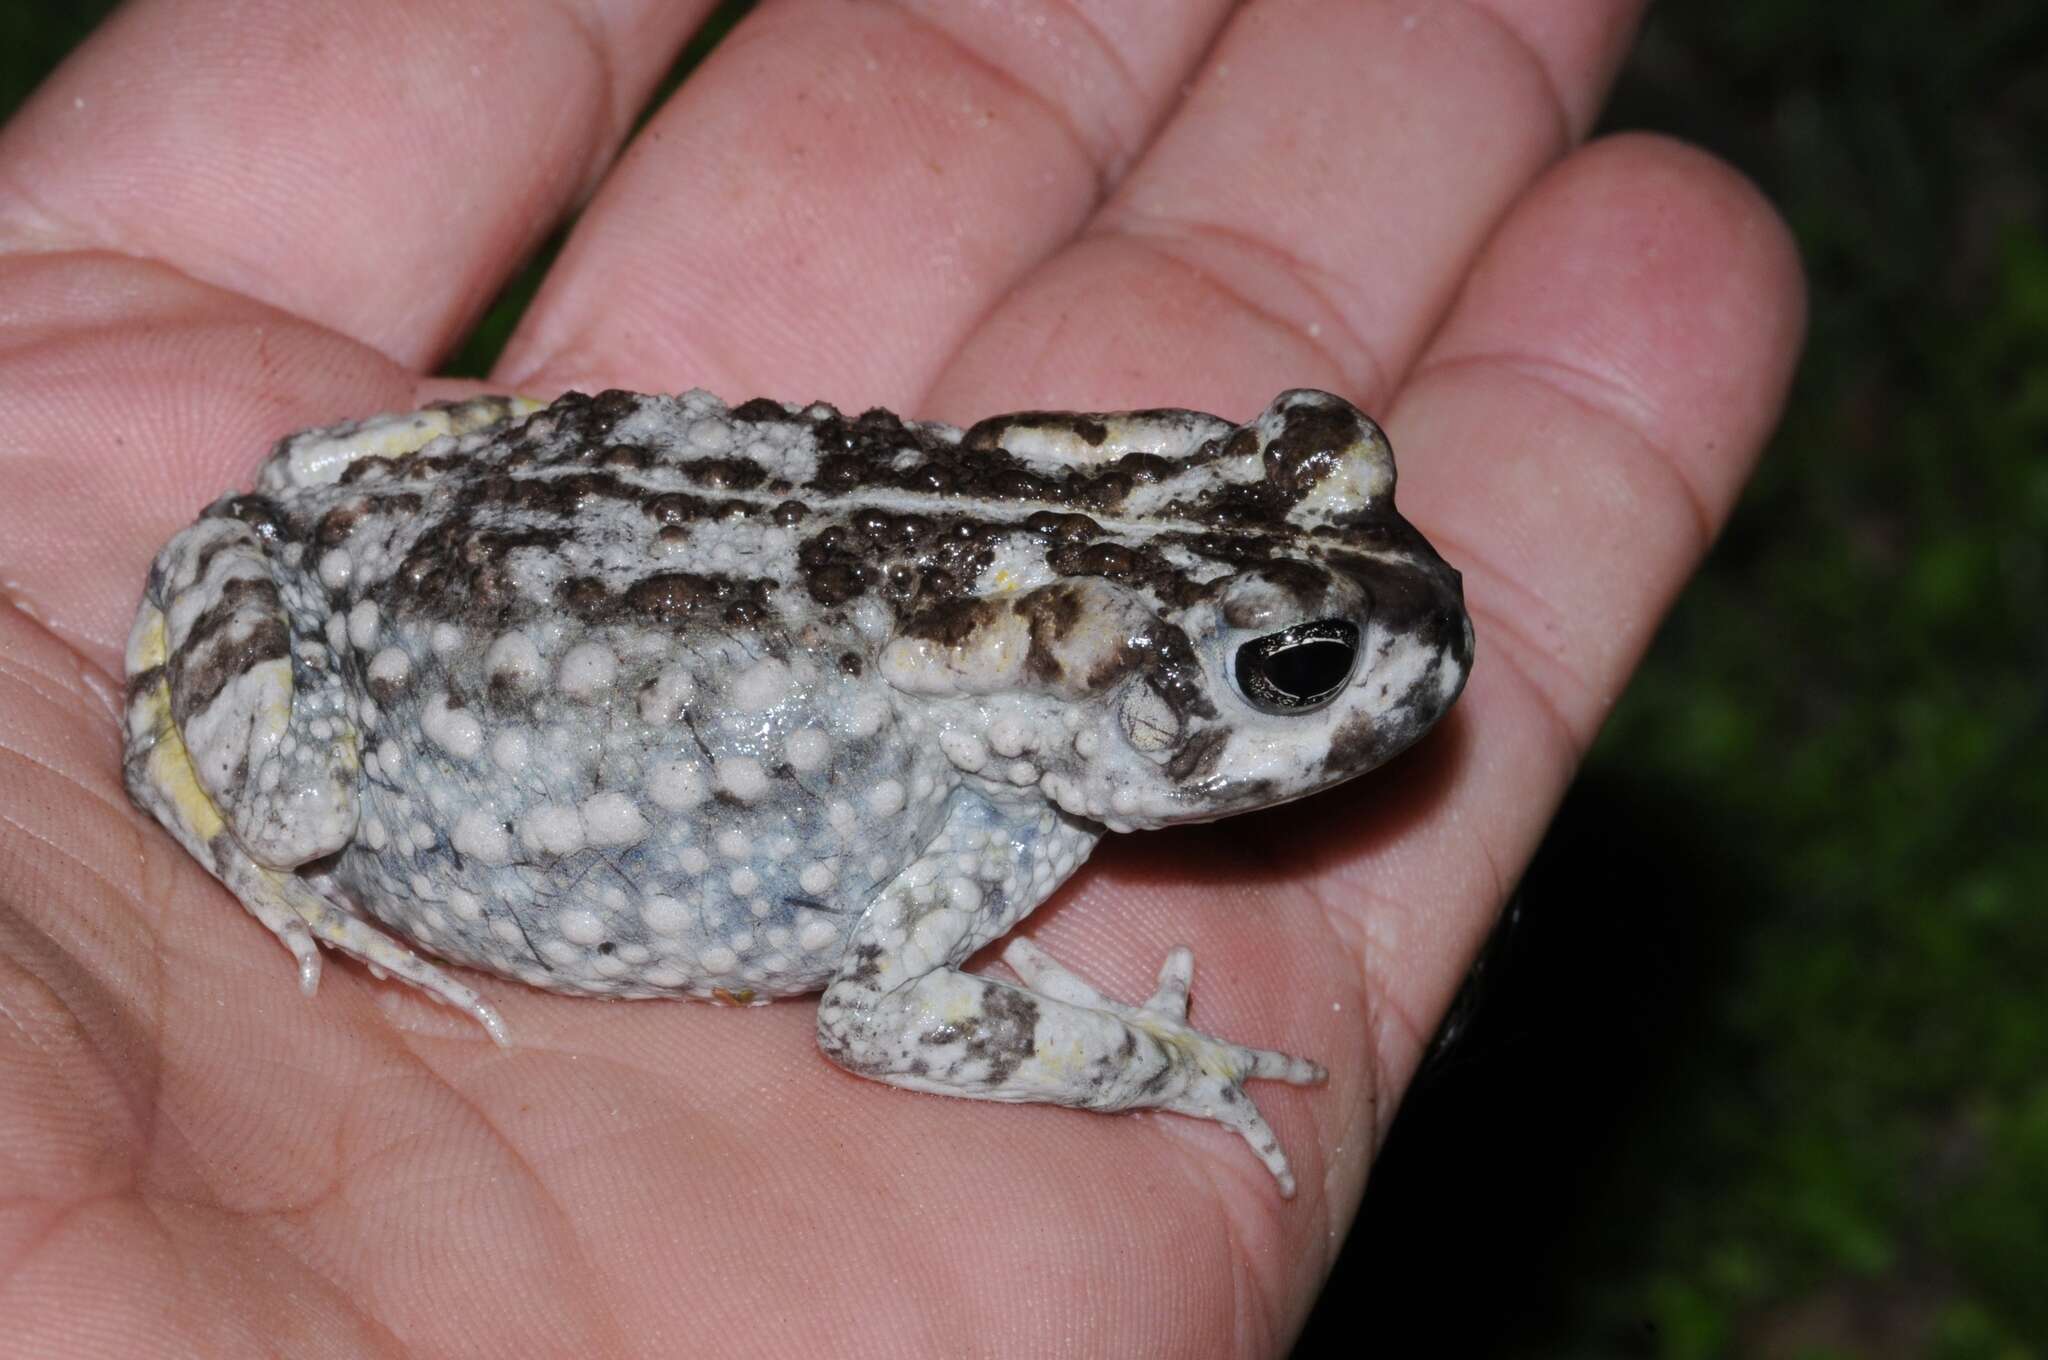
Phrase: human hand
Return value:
(219, 231)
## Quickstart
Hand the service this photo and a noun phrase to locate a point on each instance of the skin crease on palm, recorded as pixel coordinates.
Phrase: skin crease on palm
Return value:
(224, 222)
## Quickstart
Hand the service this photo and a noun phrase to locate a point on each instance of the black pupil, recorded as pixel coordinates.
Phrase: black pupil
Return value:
(1299, 667)
(1307, 670)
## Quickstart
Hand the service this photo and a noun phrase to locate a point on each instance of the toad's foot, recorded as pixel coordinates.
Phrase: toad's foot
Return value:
(902, 1010)
(289, 907)
(303, 919)
(1205, 1076)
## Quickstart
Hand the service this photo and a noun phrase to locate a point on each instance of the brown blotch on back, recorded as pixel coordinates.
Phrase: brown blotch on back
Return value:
(1236, 505)
(1062, 528)
(675, 508)
(1140, 566)
(614, 404)
(584, 596)
(915, 559)
(676, 597)
(724, 474)
(457, 570)
(633, 457)
(1098, 559)
(833, 567)
(565, 495)
(581, 428)
(761, 410)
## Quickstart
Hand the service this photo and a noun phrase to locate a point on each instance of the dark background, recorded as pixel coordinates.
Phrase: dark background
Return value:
(1758, 1064)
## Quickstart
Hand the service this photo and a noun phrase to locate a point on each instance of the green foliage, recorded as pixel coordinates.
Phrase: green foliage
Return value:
(1856, 693)
(35, 37)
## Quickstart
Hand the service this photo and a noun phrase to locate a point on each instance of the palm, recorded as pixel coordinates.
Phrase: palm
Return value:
(1575, 361)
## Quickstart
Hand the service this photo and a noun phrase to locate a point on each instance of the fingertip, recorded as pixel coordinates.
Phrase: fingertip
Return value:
(1664, 279)
(1689, 230)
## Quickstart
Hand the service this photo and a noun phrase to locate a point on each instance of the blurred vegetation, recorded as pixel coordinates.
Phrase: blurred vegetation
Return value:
(1759, 1064)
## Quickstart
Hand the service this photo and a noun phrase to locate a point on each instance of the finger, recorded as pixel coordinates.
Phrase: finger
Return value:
(1309, 211)
(133, 396)
(375, 167)
(840, 191)
(1583, 422)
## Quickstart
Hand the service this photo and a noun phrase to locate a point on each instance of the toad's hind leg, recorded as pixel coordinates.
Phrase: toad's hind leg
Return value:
(902, 1011)
(240, 740)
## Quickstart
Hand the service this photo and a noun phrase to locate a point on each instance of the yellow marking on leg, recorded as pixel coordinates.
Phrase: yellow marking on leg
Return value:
(170, 769)
(148, 645)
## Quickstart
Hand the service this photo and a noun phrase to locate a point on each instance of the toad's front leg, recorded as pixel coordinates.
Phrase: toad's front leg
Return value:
(901, 1010)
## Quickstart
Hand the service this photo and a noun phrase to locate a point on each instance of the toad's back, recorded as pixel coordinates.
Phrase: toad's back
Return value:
(623, 729)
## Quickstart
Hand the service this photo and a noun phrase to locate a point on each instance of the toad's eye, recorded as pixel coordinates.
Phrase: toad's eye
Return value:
(1297, 668)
